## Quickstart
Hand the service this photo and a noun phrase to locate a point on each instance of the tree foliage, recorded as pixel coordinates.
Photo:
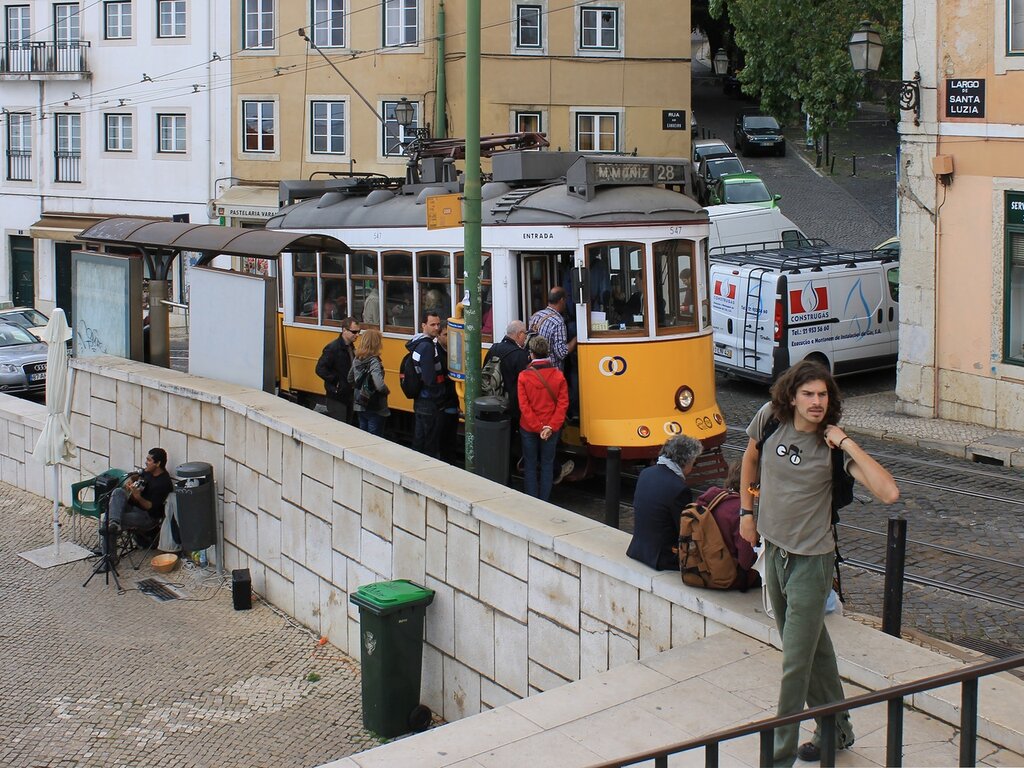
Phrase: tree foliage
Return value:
(795, 56)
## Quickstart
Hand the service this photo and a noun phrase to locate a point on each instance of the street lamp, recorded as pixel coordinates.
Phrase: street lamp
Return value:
(866, 55)
(720, 63)
(405, 112)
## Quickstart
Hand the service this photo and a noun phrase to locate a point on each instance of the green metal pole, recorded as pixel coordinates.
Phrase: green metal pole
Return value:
(471, 221)
(440, 123)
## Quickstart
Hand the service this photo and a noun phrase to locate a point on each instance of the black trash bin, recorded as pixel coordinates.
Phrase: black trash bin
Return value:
(197, 505)
(493, 438)
(391, 653)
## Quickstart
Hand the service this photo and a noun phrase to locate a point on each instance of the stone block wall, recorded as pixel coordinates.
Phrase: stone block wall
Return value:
(528, 595)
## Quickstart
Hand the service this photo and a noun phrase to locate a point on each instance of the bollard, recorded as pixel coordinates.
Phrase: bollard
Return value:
(612, 486)
(832, 166)
(817, 159)
(895, 560)
(854, 166)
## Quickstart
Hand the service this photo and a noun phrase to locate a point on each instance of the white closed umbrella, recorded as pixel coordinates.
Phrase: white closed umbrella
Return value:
(55, 444)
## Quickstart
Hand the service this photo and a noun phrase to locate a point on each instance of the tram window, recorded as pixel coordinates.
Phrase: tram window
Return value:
(675, 285)
(486, 298)
(617, 297)
(434, 277)
(305, 287)
(398, 305)
(333, 288)
(365, 290)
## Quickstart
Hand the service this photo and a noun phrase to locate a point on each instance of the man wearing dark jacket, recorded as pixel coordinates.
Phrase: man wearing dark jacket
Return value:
(427, 407)
(512, 360)
(333, 367)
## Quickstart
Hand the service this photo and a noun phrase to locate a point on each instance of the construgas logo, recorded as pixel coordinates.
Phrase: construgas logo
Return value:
(673, 428)
(612, 366)
(810, 298)
(725, 288)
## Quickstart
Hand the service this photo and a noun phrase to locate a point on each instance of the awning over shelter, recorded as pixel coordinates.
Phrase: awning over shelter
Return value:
(247, 202)
(209, 239)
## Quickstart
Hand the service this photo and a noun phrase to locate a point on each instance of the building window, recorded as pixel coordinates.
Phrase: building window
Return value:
(258, 23)
(171, 18)
(599, 28)
(395, 135)
(528, 122)
(329, 23)
(258, 126)
(67, 23)
(528, 26)
(172, 130)
(328, 127)
(1015, 26)
(117, 20)
(19, 146)
(119, 133)
(597, 132)
(68, 147)
(1013, 330)
(401, 22)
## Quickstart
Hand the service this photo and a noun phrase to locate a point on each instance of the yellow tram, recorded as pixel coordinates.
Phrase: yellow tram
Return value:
(618, 232)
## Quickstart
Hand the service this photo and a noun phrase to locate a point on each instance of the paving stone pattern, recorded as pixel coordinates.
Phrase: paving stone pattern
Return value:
(95, 678)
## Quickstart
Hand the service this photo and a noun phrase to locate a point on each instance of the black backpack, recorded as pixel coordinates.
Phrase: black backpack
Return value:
(409, 378)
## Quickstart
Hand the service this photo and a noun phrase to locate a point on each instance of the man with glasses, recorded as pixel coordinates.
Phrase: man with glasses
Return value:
(333, 367)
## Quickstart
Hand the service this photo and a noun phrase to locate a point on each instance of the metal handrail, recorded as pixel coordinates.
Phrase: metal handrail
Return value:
(44, 57)
(894, 696)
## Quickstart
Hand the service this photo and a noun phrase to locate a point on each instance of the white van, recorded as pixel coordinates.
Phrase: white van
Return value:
(739, 223)
(773, 308)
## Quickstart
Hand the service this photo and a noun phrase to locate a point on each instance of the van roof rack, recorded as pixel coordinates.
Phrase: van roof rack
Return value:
(814, 255)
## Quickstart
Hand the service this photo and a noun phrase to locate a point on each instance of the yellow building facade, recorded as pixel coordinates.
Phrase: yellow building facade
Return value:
(315, 84)
(961, 198)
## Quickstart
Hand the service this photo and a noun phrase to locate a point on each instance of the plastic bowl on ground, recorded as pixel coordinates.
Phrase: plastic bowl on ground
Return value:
(164, 563)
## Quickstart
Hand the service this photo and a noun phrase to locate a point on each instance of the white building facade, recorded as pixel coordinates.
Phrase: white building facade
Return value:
(109, 109)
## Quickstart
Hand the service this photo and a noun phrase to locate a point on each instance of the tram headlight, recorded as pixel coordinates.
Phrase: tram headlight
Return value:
(684, 398)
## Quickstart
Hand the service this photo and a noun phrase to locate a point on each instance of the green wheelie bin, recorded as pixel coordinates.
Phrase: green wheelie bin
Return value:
(391, 653)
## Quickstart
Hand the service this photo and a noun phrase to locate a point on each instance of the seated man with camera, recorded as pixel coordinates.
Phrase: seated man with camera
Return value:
(139, 504)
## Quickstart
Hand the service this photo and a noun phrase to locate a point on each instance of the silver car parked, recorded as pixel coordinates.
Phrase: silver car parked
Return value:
(22, 361)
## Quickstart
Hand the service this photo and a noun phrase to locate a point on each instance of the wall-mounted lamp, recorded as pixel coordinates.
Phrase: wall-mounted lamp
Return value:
(720, 63)
(866, 55)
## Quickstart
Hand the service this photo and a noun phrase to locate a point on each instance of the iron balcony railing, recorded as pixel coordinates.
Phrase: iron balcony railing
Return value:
(42, 58)
(967, 678)
(68, 165)
(19, 165)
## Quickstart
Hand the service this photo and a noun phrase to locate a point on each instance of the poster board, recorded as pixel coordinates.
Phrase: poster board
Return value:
(106, 304)
(232, 327)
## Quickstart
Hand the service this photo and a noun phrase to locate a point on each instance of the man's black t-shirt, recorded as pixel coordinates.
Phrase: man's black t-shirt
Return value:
(158, 488)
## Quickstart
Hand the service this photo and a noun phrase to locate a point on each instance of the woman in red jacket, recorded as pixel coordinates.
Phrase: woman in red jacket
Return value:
(543, 401)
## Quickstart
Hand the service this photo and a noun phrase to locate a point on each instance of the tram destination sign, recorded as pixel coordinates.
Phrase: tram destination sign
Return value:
(965, 97)
(590, 172)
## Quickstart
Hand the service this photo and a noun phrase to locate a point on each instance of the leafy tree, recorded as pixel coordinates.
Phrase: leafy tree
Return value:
(796, 57)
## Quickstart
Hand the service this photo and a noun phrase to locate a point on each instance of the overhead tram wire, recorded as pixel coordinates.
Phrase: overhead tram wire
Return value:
(240, 51)
(309, 41)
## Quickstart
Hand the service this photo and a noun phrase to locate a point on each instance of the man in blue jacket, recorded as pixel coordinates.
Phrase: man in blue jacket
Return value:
(427, 406)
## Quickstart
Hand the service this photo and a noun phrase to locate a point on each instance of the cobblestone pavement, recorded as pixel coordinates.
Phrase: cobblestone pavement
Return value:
(94, 678)
(849, 212)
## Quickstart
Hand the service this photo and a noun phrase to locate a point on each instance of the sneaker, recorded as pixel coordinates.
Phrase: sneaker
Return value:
(565, 471)
(811, 753)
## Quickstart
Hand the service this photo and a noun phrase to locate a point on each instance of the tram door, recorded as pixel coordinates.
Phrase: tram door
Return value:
(540, 273)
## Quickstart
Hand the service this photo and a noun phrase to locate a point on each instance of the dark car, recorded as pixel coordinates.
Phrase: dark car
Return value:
(712, 168)
(758, 133)
(22, 360)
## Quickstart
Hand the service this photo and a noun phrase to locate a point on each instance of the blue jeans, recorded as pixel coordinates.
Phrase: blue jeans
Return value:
(371, 422)
(427, 434)
(538, 455)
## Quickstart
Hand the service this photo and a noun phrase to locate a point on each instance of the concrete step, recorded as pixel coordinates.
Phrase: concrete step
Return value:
(722, 681)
